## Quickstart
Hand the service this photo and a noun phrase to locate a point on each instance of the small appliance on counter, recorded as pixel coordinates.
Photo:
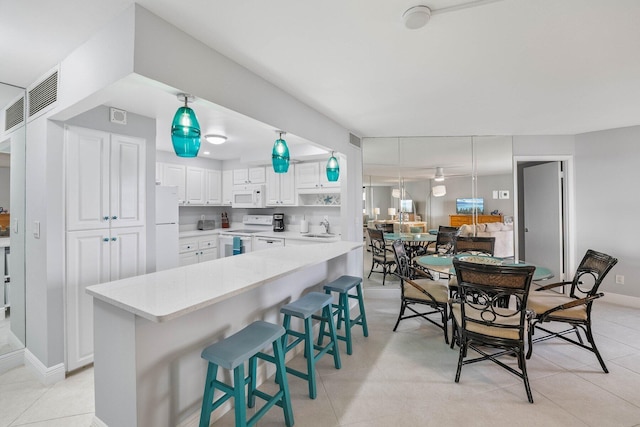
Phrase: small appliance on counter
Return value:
(206, 224)
(278, 222)
(304, 225)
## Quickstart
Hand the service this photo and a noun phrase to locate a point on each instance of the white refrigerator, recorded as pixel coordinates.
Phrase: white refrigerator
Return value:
(166, 227)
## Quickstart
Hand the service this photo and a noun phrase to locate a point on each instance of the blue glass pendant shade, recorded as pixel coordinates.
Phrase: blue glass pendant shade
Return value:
(280, 156)
(185, 133)
(333, 169)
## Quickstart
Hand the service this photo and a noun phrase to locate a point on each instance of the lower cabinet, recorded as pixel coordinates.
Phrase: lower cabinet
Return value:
(96, 256)
(198, 249)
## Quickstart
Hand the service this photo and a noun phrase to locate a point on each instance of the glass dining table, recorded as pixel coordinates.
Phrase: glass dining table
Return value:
(444, 264)
(415, 243)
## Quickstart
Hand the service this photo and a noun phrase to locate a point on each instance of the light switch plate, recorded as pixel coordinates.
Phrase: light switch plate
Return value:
(495, 194)
(504, 194)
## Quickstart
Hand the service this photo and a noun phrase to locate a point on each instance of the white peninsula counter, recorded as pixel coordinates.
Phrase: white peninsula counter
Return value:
(149, 330)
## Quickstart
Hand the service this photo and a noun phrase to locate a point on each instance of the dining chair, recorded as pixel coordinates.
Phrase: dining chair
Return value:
(574, 309)
(418, 289)
(381, 254)
(484, 327)
(384, 227)
(445, 240)
(472, 245)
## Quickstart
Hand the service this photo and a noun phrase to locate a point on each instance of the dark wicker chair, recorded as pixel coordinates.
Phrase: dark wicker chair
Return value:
(471, 246)
(484, 327)
(418, 289)
(381, 255)
(575, 309)
(385, 228)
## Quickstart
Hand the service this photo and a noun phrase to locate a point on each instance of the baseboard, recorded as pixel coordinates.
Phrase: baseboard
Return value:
(11, 360)
(45, 375)
(625, 300)
(97, 422)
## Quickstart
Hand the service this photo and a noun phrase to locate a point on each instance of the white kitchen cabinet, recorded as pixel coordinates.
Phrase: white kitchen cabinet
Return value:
(105, 228)
(198, 249)
(213, 187)
(256, 175)
(281, 188)
(195, 189)
(313, 175)
(227, 187)
(175, 176)
(105, 180)
(96, 256)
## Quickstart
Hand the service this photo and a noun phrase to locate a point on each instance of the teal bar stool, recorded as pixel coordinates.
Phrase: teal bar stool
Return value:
(230, 354)
(304, 308)
(342, 285)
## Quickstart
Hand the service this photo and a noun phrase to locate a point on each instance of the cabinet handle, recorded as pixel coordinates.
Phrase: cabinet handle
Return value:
(106, 239)
(114, 217)
(106, 218)
(113, 239)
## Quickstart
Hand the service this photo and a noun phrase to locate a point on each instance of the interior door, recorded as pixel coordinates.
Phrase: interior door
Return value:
(543, 236)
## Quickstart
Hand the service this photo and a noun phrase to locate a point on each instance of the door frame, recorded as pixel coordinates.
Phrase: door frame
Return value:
(569, 228)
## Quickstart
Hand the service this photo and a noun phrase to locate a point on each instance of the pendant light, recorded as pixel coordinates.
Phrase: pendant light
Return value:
(185, 129)
(333, 168)
(280, 154)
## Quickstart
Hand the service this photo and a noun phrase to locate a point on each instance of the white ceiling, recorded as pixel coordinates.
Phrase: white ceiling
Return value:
(506, 67)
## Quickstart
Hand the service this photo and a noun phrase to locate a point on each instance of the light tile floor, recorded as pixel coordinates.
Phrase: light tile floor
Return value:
(405, 378)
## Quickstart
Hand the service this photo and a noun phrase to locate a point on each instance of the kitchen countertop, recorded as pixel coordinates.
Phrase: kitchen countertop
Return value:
(293, 235)
(170, 294)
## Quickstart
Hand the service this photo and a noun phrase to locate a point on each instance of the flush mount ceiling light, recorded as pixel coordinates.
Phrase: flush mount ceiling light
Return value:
(185, 129)
(215, 139)
(280, 154)
(416, 17)
(439, 175)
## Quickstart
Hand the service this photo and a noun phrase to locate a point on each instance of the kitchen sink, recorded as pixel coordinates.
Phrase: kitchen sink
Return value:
(322, 235)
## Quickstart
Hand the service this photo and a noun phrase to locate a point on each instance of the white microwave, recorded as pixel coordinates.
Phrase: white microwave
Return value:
(248, 196)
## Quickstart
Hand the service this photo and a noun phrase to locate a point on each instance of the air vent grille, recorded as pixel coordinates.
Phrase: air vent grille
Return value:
(354, 140)
(44, 94)
(14, 114)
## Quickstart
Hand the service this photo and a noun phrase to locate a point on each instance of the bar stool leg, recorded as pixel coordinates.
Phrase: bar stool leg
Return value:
(363, 316)
(344, 304)
(207, 399)
(238, 396)
(308, 352)
(328, 313)
(278, 354)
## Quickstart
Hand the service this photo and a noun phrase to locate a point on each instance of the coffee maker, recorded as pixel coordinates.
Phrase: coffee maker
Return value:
(278, 222)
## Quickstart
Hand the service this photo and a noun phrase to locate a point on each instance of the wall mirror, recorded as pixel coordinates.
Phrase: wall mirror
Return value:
(12, 204)
(432, 178)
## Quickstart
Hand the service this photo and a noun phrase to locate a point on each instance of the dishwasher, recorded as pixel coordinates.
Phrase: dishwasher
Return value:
(260, 243)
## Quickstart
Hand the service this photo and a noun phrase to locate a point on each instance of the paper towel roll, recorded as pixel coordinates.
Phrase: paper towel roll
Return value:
(304, 226)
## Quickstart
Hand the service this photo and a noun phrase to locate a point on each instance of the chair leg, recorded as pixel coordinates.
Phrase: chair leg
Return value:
(344, 303)
(238, 396)
(525, 377)
(278, 353)
(363, 314)
(207, 399)
(308, 350)
(595, 349)
(463, 352)
(403, 305)
(445, 320)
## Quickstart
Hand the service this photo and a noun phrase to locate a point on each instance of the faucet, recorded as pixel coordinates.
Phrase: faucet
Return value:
(326, 224)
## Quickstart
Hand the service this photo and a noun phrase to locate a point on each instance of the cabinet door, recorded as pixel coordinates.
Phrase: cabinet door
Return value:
(159, 173)
(208, 255)
(175, 175)
(257, 175)
(307, 175)
(240, 176)
(87, 264)
(195, 186)
(288, 194)
(188, 258)
(128, 254)
(227, 187)
(273, 188)
(213, 187)
(127, 181)
(87, 179)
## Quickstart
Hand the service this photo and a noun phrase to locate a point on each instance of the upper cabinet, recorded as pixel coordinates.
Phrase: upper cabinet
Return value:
(196, 186)
(227, 187)
(313, 176)
(255, 175)
(105, 180)
(281, 188)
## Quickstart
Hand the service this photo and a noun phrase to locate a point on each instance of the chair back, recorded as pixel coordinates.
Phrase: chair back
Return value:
(483, 288)
(403, 262)
(376, 237)
(592, 270)
(445, 240)
(385, 228)
(474, 245)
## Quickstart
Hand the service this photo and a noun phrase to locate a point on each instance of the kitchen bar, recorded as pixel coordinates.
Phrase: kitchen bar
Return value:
(149, 330)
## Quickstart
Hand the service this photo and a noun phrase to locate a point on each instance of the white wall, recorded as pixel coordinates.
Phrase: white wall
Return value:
(607, 202)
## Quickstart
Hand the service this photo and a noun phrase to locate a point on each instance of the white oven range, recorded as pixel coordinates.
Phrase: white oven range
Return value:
(252, 224)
